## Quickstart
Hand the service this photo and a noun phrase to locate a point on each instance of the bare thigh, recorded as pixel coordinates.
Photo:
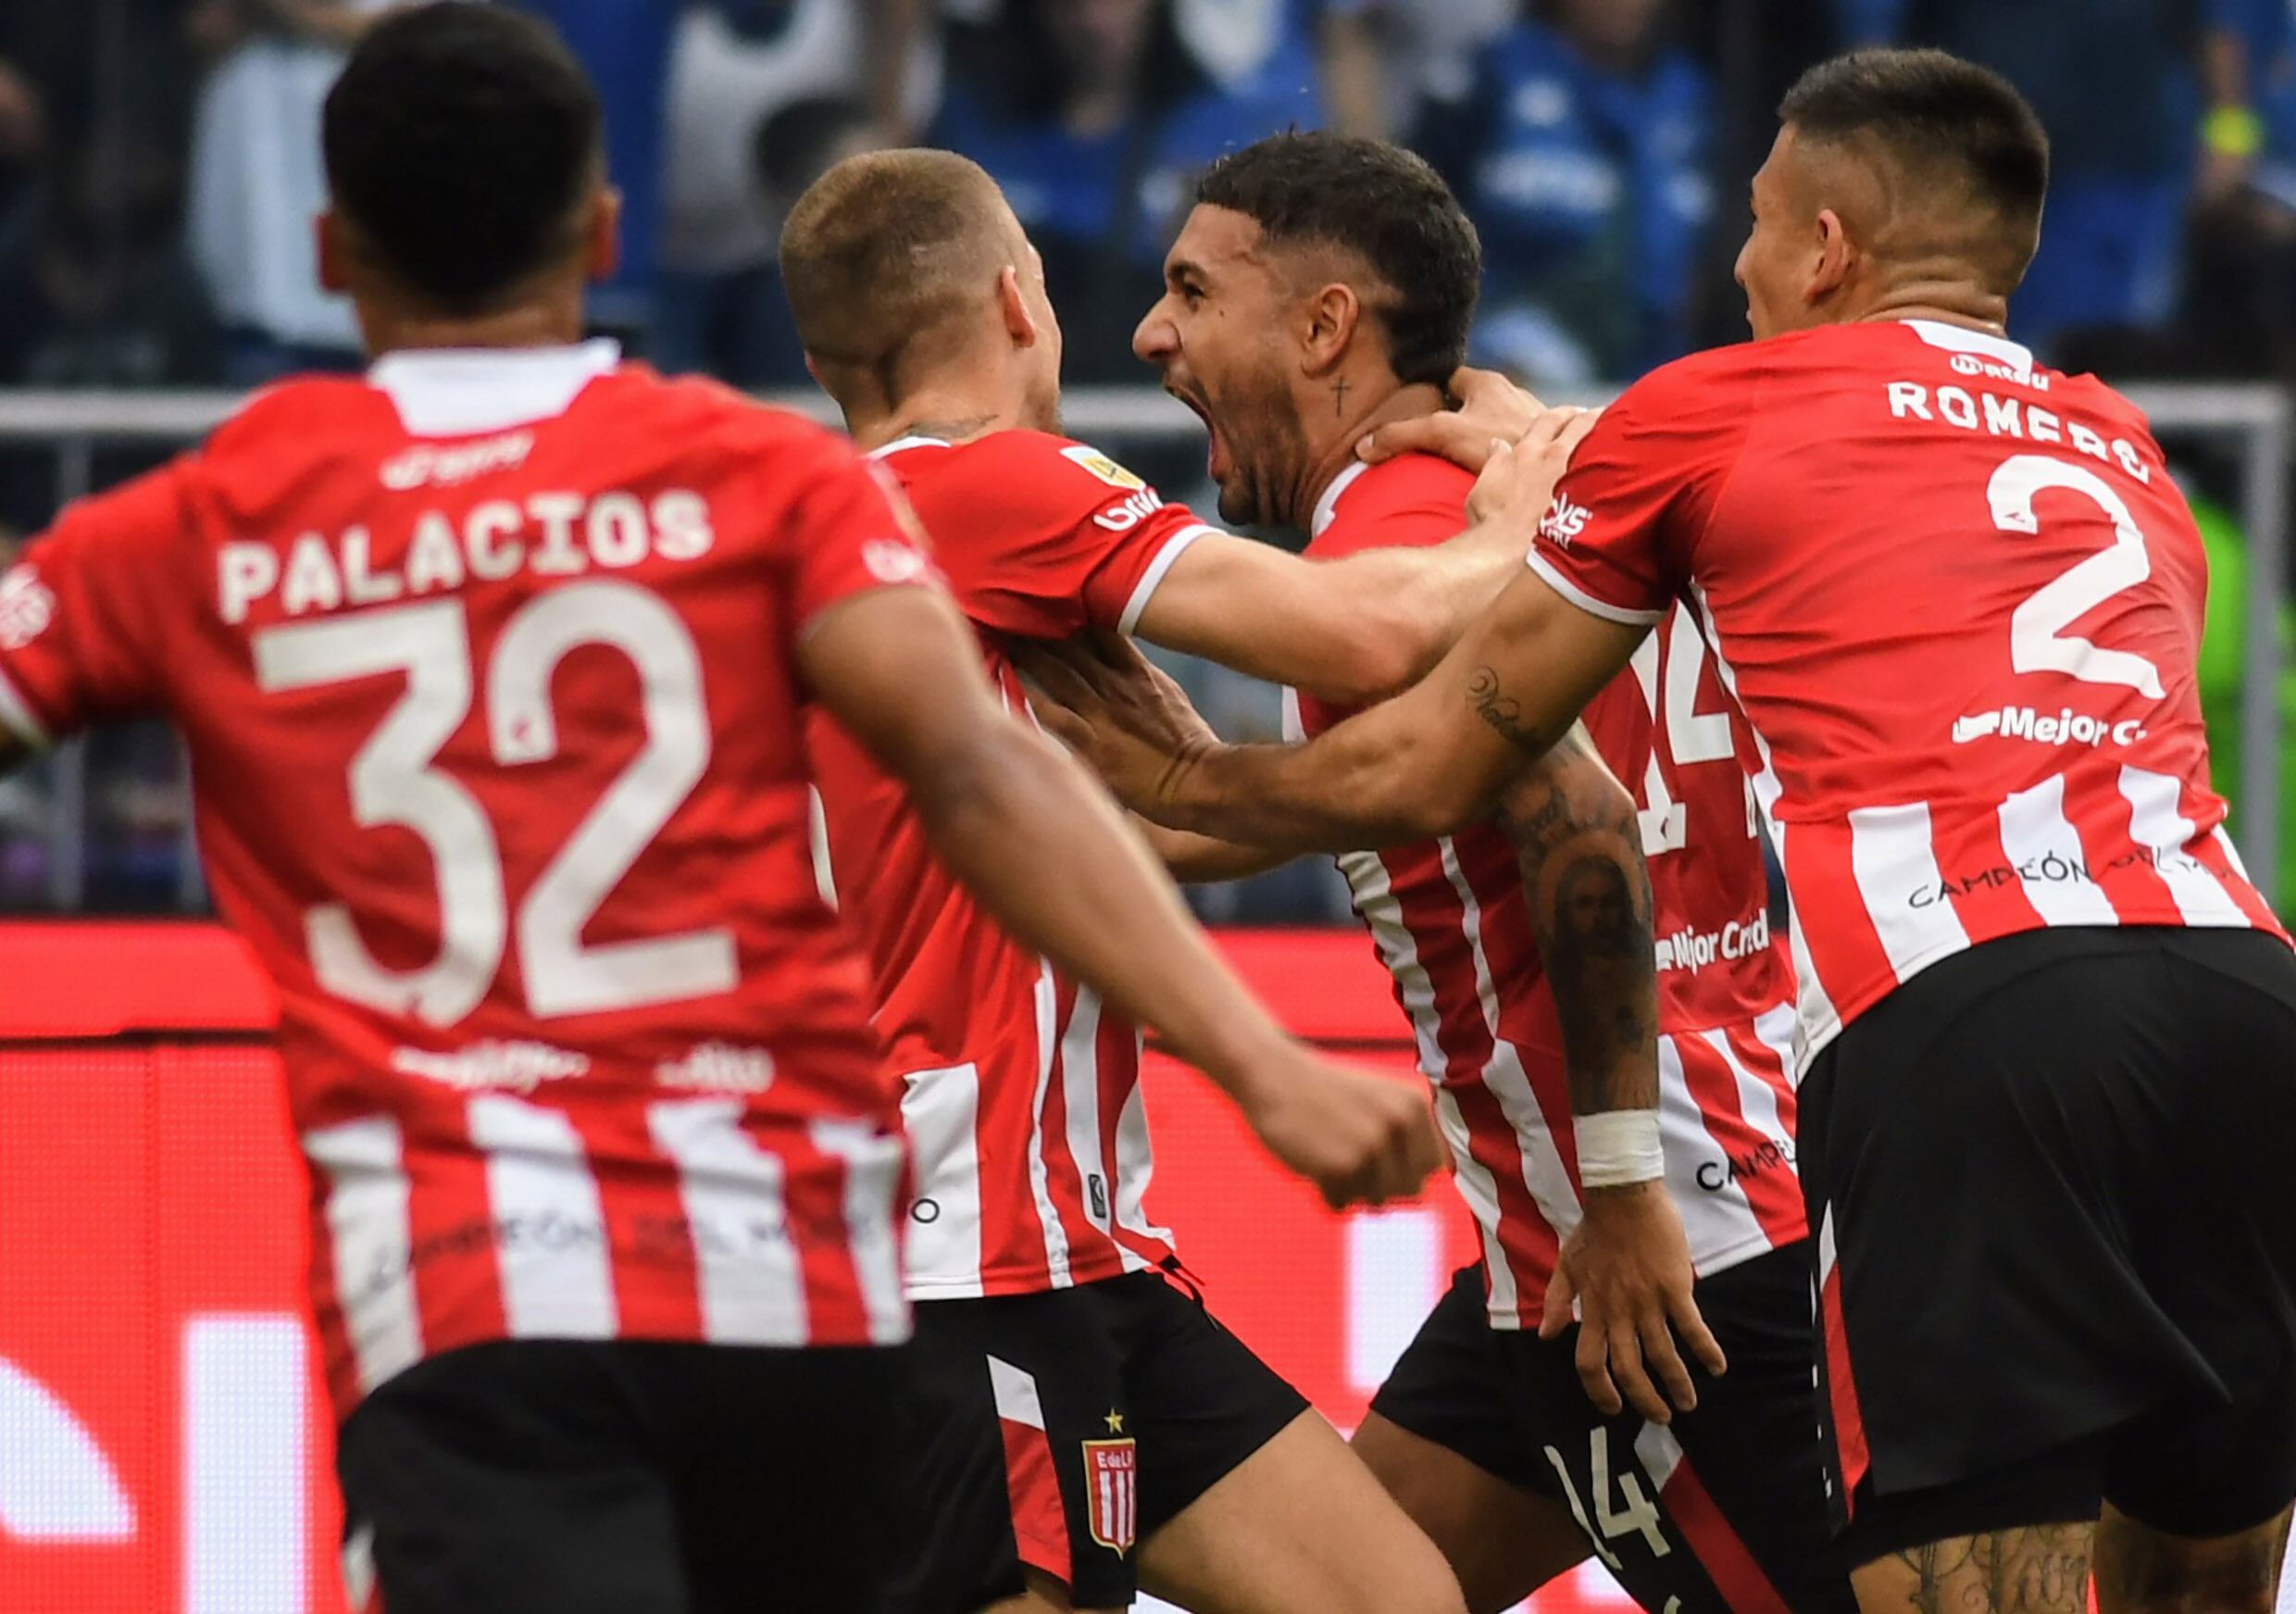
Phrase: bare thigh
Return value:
(2040, 1568)
(1299, 1528)
(1503, 1543)
(2143, 1570)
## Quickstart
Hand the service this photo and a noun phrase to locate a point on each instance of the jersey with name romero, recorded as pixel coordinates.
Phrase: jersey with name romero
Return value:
(486, 664)
(1450, 921)
(1957, 596)
(1022, 1094)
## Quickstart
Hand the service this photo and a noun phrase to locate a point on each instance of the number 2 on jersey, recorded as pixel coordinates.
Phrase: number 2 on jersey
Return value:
(2037, 640)
(392, 782)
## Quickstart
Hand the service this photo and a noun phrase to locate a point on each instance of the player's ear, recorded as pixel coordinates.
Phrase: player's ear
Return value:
(1328, 321)
(1019, 324)
(602, 245)
(1833, 258)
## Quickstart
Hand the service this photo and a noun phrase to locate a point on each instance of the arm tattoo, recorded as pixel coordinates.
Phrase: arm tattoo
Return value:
(1579, 849)
(1504, 712)
(2041, 1569)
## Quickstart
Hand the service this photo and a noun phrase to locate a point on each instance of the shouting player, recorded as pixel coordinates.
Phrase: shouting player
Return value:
(1081, 1377)
(492, 666)
(1957, 595)
(1509, 960)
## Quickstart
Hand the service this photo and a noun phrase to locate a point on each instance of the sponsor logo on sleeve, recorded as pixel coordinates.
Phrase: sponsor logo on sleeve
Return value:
(1564, 521)
(1130, 512)
(892, 561)
(1101, 466)
(27, 607)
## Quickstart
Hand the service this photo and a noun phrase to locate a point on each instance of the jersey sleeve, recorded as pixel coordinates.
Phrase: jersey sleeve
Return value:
(1077, 540)
(82, 613)
(847, 530)
(1617, 540)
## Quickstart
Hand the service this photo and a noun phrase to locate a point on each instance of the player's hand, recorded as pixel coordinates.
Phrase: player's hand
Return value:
(1517, 487)
(1627, 1265)
(1360, 1139)
(1115, 709)
(1490, 409)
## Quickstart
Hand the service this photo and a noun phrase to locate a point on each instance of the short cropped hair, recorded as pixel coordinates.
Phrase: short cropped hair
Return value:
(1385, 205)
(1949, 126)
(461, 139)
(882, 249)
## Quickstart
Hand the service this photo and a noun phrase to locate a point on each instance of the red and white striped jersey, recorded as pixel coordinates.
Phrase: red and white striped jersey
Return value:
(1450, 921)
(1957, 597)
(1021, 1094)
(486, 666)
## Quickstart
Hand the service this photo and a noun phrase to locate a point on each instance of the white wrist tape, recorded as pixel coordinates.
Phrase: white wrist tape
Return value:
(1617, 1147)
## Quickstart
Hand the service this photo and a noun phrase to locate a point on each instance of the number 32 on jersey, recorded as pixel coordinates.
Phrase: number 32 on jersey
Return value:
(393, 782)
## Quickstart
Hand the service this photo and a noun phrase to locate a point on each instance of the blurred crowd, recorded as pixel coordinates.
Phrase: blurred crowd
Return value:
(158, 163)
(158, 170)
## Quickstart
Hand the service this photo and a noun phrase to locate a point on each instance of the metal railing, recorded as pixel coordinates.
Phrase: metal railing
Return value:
(2257, 416)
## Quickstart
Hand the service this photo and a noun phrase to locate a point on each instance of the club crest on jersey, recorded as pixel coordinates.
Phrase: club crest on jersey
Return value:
(1101, 466)
(1112, 1493)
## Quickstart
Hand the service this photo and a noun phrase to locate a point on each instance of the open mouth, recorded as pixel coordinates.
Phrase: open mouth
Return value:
(1216, 463)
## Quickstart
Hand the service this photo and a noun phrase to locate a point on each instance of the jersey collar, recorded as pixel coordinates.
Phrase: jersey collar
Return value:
(903, 444)
(1961, 339)
(1329, 506)
(451, 392)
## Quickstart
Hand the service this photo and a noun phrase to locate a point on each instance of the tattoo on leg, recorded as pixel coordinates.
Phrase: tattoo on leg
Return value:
(2041, 1569)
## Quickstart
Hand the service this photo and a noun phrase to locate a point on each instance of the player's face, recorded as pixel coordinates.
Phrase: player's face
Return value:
(1218, 336)
(1773, 264)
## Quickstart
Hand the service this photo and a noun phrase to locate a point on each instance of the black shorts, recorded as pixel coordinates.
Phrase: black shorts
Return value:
(628, 1477)
(1723, 1511)
(2057, 1237)
(1058, 1430)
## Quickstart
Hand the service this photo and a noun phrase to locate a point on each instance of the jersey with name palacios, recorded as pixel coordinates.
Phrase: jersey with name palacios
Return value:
(1957, 597)
(1020, 1092)
(486, 665)
(1450, 921)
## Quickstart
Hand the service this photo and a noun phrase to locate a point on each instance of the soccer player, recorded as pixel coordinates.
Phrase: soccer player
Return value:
(1957, 595)
(491, 664)
(1087, 1404)
(1511, 958)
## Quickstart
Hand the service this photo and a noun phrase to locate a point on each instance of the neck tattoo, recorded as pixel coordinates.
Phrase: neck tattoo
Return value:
(1340, 390)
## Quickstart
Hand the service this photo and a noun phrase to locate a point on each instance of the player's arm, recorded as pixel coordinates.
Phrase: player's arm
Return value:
(1022, 825)
(1194, 859)
(1432, 761)
(1354, 630)
(1579, 846)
